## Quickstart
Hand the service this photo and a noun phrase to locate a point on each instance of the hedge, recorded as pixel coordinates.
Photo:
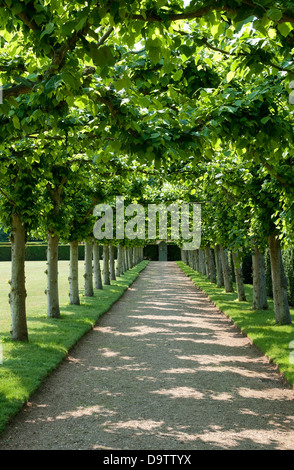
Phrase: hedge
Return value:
(151, 252)
(36, 252)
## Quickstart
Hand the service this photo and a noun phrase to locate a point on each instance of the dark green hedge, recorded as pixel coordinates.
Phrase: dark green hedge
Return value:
(151, 252)
(38, 252)
(246, 268)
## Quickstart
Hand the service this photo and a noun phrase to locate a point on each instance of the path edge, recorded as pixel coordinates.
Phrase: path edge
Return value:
(276, 366)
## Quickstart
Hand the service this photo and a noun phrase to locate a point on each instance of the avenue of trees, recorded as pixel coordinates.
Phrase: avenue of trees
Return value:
(157, 101)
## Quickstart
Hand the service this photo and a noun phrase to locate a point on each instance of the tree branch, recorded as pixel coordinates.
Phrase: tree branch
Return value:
(7, 197)
(275, 174)
(200, 12)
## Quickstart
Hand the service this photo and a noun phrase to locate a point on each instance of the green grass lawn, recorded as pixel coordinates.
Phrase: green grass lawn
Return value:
(259, 325)
(25, 365)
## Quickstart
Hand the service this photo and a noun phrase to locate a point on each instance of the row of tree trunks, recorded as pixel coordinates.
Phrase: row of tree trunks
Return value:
(127, 257)
(17, 296)
(215, 265)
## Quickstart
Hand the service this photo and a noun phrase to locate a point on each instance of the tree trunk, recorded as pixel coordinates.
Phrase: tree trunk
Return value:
(197, 260)
(259, 280)
(126, 259)
(106, 277)
(119, 268)
(210, 269)
(194, 259)
(134, 257)
(239, 276)
(123, 258)
(111, 263)
(97, 268)
(129, 254)
(53, 310)
(228, 283)
(207, 261)
(279, 281)
(218, 264)
(88, 274)
(182, 255)
(17, 296)
(202, 268)
(74, 298)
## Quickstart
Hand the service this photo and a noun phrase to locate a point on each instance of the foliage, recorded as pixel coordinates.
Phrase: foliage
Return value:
(151, 100)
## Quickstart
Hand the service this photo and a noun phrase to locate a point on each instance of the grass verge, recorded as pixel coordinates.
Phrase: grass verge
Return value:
(25, 365)
(259, 325)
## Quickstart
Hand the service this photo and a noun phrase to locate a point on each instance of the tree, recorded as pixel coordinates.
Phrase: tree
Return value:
(20, 188)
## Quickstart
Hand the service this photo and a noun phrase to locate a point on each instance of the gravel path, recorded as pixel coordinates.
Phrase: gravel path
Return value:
(162, 370)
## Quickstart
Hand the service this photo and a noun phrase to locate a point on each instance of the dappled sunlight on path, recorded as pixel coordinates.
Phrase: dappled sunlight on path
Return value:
(163, 369)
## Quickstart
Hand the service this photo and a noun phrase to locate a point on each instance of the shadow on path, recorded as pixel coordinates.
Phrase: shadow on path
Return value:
(162, 370)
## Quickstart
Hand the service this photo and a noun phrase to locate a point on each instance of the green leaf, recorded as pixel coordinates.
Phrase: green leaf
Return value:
(48, 29)
(178, 75)
(155, 54)
(285, 29)
(81, 23)
(68, 27)
(123, 83)
(265, 119)
(70, 80)
(53, 84)
(155, 135)
(274, 14)
(230, 76)
(102, 55)
(15, 121)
